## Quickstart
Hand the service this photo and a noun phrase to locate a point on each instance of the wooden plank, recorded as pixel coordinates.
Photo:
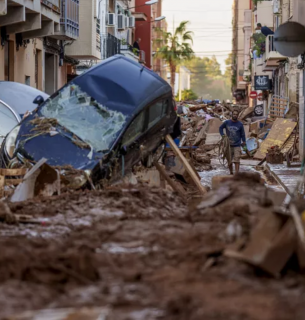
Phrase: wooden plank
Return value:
(278, 99)
(189, 169)
(13, 172)
(278, 135)
(169, 180)
(13, 182)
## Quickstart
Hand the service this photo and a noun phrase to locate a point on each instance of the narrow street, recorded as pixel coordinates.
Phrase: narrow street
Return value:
(152, 160)
(141, 252)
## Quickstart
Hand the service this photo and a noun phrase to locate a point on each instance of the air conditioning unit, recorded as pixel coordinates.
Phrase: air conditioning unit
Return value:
(276, 6)
(121, 22)
(110, 19)
(132, 22)
(126, 21)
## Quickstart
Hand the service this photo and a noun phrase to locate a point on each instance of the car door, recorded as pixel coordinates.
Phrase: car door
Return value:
(157, 118)
(8, 120)
(131, 142)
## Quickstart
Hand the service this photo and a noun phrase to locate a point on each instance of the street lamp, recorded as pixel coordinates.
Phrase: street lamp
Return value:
(147, 3)
(159, 19)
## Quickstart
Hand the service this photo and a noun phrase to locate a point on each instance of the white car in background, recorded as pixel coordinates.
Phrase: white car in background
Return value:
(16, 99)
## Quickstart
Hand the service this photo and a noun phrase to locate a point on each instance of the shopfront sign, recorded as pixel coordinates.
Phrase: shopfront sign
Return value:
(261, 83)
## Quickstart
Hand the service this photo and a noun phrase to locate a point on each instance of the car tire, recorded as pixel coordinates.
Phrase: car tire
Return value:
(259, 110)
(156, 156)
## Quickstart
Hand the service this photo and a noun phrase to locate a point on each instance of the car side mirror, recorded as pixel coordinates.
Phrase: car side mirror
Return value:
(38, 100)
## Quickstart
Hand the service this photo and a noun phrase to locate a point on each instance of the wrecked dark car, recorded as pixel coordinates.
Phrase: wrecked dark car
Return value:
(103, 122)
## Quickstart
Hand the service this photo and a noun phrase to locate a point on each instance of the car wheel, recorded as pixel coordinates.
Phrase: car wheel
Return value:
(156, 156)
(259, 110)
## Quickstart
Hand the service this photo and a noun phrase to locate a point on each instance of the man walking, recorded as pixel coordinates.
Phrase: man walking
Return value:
(236, 134)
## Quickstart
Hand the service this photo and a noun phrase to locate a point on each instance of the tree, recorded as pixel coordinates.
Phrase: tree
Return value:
(175, 48)
(187, 95)
(207, 81)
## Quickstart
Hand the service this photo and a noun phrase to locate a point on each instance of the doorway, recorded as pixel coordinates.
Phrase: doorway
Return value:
(9, 61)
(50, 73)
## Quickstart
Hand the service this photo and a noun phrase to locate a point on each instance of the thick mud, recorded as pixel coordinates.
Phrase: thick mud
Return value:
(142, 253)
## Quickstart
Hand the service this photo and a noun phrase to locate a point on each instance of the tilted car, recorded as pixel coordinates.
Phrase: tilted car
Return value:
(103, 122)
(16, 99)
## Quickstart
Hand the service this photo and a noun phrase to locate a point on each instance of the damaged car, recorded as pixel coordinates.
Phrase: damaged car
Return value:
(16, 100)
(103, 122)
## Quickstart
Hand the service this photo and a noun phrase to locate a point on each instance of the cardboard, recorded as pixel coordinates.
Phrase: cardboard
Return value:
(278, 135)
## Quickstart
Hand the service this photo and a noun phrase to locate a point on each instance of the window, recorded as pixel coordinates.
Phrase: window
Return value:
(28, 80)
(7, 121)
(134, 130)
(156, 112)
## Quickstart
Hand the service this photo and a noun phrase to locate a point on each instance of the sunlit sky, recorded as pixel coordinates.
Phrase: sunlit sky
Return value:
(210, 20)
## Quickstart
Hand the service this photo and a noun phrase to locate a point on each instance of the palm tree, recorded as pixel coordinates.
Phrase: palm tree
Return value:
(175, 48)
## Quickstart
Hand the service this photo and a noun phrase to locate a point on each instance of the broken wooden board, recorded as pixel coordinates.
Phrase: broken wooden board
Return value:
(64, 314)
(188, 167)
(278, 135)
(271, 245)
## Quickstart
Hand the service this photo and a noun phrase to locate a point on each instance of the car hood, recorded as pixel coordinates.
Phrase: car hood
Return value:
(59, 149)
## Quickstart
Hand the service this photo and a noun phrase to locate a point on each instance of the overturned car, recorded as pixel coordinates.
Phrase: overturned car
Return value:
(103, 122)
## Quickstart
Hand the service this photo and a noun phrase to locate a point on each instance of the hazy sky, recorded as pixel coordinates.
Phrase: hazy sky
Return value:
(210, 20)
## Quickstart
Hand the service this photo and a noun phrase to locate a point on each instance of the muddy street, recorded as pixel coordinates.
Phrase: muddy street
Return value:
(141, 253)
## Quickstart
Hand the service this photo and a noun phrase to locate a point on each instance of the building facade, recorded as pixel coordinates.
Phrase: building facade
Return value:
(32, 41)
(271, 75)
(45, 44)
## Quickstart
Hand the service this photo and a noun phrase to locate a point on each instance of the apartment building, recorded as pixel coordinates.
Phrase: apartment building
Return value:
(32, 41)
(239, 62)
(272, 75)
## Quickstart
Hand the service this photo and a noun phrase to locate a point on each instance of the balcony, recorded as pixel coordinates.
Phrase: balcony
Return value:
(271, 57)
(88, 44)
(34, 19)
(69, 20)
(128, 51)
(110, 46)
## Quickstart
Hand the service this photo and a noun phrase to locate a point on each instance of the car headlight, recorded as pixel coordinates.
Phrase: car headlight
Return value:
(10, 143)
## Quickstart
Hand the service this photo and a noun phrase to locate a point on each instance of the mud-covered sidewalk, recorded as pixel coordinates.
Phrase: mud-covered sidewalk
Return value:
(144, 255)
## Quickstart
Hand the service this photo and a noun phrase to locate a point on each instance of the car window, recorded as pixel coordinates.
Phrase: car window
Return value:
(156, 112)
(134, 130)
(7, 121)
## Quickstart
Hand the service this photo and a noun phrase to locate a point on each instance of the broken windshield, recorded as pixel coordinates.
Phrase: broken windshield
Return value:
(81, 114)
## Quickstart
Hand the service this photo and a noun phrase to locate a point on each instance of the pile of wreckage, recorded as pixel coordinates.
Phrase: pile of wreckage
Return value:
(200, 125)
(178, 168)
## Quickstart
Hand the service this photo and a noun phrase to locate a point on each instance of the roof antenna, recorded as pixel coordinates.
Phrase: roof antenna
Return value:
(142, 68)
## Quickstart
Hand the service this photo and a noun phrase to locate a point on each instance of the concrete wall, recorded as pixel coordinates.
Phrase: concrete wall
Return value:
(23, 63)
(264, 14)
(85, 46)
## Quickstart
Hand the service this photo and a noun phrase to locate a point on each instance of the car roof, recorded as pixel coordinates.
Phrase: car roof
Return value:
(122, 84)
(19, 96)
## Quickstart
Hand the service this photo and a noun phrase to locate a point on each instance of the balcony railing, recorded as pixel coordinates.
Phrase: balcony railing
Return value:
(271, 53)
(69, 19)
(110, 46)
(142, 56)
